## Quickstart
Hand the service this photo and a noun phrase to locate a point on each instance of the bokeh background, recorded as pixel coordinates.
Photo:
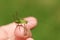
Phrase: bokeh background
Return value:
(47, 13)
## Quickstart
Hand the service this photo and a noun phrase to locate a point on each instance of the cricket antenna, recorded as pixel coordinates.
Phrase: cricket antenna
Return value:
(17, 20)
(17, 16)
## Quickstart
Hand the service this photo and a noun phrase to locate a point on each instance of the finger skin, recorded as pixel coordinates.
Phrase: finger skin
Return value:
(31, 22)
(9, 29)
(3, 35)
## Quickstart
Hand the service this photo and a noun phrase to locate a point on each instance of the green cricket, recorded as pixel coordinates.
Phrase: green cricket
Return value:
(18, 20)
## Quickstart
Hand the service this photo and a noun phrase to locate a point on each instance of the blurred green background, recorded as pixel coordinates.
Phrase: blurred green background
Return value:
(47, 13)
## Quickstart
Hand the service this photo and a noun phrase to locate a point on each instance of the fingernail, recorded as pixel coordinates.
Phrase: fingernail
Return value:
(29, 39)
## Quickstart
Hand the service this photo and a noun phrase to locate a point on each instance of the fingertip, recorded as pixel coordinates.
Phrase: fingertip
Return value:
(32, 22)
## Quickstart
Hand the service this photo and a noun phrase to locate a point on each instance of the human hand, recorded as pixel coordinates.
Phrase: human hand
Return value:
(12, 32)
